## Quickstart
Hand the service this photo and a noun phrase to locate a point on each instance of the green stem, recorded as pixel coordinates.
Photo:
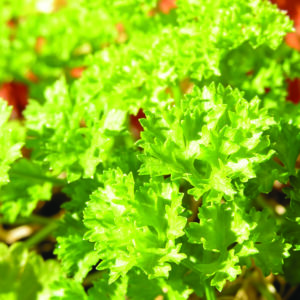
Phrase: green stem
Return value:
(38, 219)
(33, 219)
(209, 290)
(189, 265)
(177, 94)
(39, 177)
(41, 235)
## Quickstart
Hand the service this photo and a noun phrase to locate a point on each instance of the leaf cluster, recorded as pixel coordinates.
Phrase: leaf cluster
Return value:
(211, 135)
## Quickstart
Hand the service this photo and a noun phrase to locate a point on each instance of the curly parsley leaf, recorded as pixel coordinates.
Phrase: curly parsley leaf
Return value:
(213, 138)
(69, 136)
(135, 227)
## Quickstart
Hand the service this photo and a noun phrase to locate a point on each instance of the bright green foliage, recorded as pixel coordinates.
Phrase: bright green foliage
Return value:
(287, 145)
(76, 254)
(135, 286)
(221, 14)
(25, 275)
(291, 228)
(211, 79)
(192, 42)
(219, 228)
(70, 242)
(27, 185)
(102, 290)
(266, 247)
(69, 136)
(214, 139)
(262, 72)
(135, 227)
(67, 290)
(140, 286)
(11, 141)
(230, 237)
(79, 191)
(68, 34)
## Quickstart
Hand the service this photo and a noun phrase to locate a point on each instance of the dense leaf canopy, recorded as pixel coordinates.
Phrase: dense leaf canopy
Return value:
(211, 79)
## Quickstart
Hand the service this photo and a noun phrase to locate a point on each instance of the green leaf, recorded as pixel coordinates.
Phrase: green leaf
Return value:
(290, 228)
(28, 184)
(67, 290)
(79, 192)
(135, 227)
(25, 275)
(286, 139)
(103, 290)
(140, 287)
(223, 150)
(10, 148)
(72, 137)
(265, 246)
(77, 255)
(220, 226)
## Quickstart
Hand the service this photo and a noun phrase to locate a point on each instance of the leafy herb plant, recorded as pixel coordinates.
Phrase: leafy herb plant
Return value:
(179, 209)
